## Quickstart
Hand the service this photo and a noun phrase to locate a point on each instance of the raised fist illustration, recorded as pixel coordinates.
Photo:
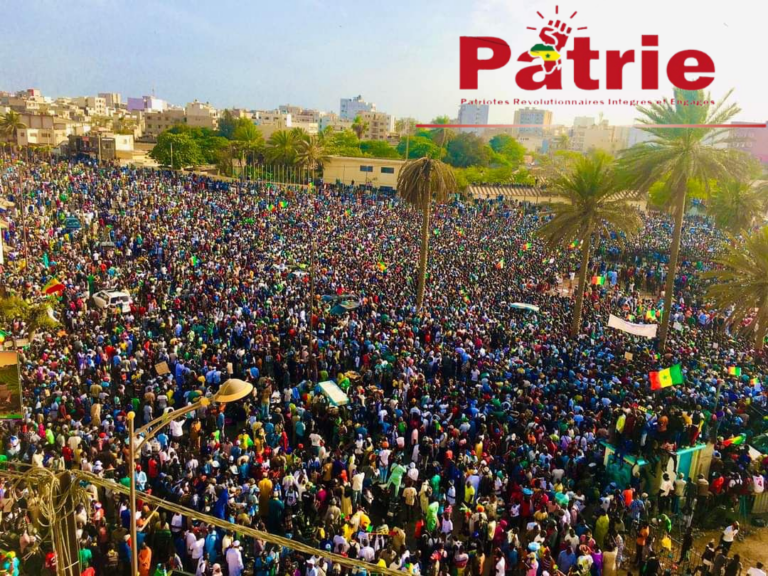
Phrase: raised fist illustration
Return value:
(555, 34)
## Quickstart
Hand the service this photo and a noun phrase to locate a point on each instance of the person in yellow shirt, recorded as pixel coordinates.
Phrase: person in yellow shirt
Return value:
(469, 494)
(265, 494)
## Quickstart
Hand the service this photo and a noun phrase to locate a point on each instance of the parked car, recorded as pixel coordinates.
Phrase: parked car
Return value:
(112, 299)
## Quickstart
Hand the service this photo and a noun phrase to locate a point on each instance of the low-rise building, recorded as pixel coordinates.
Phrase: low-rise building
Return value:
(201, 115)
(157, 122)
(380, 173)
(46, 130)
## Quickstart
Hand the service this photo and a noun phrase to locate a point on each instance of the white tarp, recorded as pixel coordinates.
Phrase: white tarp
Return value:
(522, 306)
(335, 394)
(644, 330)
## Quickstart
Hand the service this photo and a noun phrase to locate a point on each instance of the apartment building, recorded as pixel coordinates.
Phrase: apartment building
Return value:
(351, 107)
(201, 115)
(380, 125)
(157, 122)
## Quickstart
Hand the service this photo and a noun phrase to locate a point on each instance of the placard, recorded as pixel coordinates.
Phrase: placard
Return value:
(10, 387)
(162, 368)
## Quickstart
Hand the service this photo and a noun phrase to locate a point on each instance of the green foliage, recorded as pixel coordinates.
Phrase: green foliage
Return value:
(177, 150)
(227, 125)
(420, 146)
(343, 143)
(441, 136)
(34, 315)
(508, 148)
(379, 149)
(467, 149)
(246, 131)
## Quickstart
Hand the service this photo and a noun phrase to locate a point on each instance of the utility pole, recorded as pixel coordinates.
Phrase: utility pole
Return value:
(171, 155)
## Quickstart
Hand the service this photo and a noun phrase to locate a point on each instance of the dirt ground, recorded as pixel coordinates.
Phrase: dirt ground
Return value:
(753, 549)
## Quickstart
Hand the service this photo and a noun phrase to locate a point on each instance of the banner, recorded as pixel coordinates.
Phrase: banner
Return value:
(523, 306)
(644, 330)
(10, 387)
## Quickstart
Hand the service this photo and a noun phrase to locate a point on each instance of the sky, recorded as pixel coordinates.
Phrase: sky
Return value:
(401, 54)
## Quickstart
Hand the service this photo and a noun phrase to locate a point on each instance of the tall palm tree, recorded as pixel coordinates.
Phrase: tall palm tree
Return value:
(10, 124)
(441, 136)
(592, 190)
(312, 153)
(742, 283)
(360, 127)
(419, 183)
(680, 155)
(737, 204)
(282, 147)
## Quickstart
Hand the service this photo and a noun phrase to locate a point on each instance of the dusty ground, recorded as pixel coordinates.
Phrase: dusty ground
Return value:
(753, 549)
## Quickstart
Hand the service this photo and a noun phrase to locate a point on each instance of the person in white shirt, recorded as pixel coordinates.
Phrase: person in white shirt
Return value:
(728, 535)
(234, 559)
(757, 570)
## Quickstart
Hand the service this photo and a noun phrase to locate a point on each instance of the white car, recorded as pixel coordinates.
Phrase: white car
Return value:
(113, 299)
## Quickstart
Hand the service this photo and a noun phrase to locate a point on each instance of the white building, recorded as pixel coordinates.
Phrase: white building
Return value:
(473, 114)
(351, 107)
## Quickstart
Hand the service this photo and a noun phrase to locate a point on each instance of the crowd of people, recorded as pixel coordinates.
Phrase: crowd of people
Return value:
(474, 437)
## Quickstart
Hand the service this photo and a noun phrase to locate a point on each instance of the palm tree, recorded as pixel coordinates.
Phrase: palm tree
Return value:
(742, 283)
(360, 127)
(312, 153)
(282, 147)
(419, 183)
(441, 136)
(10, 124)
(562, 142)
(592, 191)
(680, 155)
(737, 204)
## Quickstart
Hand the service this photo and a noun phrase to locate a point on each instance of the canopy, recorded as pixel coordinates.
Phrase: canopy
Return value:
(335, 395)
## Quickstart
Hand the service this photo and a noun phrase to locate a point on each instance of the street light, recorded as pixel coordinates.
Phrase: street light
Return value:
(232, 390)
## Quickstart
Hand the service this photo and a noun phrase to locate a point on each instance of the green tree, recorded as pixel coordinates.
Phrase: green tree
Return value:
(441, 136)
(343, 143)
(35, 315)
(282, 147)
(10, 124)
(742, 283)
(176, 150)
(592, 192)
(508, 148)
(246, 131)
(311, 153)
(420, 183)
(737, 205)
(360, 127)
(379, 149)
(679, 155)
(227, 125)
(124, 125)
(419, 147)
(212, 147)
(467, 149)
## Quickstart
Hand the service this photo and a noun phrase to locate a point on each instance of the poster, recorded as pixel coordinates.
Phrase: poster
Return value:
(162, 368)
(10, 388)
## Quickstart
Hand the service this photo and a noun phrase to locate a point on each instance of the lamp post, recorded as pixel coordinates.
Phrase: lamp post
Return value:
(231, 391)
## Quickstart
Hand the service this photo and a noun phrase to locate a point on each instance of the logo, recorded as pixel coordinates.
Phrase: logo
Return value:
(688, 69)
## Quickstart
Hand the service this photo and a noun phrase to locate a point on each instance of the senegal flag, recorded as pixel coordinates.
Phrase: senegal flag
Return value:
(667, 377)
(735, 441)
(734, 371)
(598, 280)
(527, 246)
(53, 286)
(382, 267)
(546, 53)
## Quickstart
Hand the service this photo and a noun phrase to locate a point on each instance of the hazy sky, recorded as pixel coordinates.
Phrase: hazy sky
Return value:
(401, 54)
